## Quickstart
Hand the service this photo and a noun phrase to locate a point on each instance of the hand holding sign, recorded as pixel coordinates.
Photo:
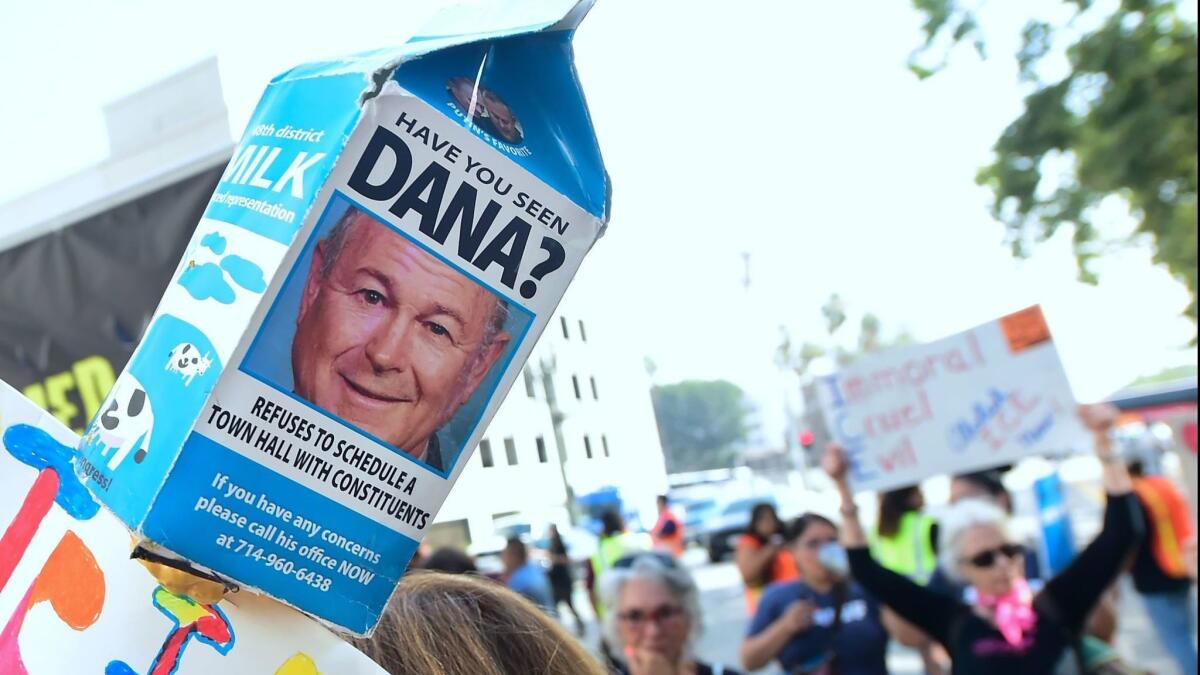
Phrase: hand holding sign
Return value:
(1098, 418)
(834, 462)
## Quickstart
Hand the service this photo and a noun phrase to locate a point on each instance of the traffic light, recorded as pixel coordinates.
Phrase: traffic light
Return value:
(806, 439)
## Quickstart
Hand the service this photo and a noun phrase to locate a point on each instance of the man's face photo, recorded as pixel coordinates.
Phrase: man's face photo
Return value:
(463, 91)
(503, 119)
(389, 338)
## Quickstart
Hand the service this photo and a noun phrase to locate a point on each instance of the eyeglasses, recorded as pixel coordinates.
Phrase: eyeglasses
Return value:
(816, 544)
(989, 557)
(659, 615)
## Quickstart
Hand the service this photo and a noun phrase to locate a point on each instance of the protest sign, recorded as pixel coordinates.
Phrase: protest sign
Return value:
(379, 257)
(71, 600)
(988, 396)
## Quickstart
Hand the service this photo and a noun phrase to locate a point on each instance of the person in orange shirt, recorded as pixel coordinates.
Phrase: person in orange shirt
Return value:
(761, 556)
(1161, 572)
(668, 531)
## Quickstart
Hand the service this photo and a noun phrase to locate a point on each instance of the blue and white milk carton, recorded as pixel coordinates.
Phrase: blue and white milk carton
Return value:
(387, 243)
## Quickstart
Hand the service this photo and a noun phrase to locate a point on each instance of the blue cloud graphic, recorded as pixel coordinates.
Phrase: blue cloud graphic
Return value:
(38, 449)
(214, 242)
(245, 273)
(207, 281)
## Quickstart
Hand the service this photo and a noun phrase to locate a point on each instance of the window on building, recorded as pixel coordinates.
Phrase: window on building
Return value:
(604, 444)
(541, 449)
(529, 384)
(575, 384)
(485, 454)
(582, 331)
(566, 333)
(510, 451)
(587, 447)
(595, 391)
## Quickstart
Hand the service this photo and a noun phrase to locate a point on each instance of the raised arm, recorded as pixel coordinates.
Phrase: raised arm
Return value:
(932, 612)
(1077, 589)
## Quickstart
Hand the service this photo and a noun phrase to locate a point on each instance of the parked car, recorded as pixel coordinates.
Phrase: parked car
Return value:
(695, 512)
(725, 522)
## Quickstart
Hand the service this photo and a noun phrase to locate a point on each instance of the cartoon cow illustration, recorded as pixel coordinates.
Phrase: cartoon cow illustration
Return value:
(124, 424)
(187, 360)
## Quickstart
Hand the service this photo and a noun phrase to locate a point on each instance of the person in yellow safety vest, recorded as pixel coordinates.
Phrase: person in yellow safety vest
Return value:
(615, 543)
(1161, 574)
(905, 542)
(905, 539)
(668, 531)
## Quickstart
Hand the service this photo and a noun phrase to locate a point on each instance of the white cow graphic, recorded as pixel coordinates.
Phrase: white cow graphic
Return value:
(187, 360)
(125, 422)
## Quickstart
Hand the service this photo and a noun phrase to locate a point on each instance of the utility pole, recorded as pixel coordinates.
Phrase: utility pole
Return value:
(547, 367)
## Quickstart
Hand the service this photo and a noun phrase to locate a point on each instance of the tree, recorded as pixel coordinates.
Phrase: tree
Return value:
(798, 359)
(1122, 121)
(702, 424)
(1166, 375)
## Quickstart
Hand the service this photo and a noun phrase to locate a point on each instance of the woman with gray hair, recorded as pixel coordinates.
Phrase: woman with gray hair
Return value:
(654, 617)
(1006, 629)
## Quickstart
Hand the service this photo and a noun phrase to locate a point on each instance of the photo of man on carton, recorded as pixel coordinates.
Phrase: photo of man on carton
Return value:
(489, 111)
(391, 339)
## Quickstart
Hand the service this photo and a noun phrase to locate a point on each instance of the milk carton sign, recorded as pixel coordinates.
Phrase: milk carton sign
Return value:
(388, 241)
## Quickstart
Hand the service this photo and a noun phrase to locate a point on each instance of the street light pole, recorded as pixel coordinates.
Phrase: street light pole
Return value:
(547, 367)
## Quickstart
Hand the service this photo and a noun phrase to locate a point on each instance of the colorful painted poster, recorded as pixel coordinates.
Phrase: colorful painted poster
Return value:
(71, 600)
(985, 397)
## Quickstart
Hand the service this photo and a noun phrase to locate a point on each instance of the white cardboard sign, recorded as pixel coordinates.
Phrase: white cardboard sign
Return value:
(985, 397)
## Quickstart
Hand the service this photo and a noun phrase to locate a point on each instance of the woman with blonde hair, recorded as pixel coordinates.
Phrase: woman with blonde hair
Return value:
(443, 624)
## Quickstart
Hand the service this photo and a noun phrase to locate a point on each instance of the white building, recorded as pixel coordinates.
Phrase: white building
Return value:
(179, 127)
(608, 434)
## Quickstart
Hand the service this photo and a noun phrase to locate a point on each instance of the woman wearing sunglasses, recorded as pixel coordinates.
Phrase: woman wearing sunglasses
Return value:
(1007, 629)
(654, 617)
(823, 624)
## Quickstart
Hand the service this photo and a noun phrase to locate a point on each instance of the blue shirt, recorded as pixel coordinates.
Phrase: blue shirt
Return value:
(860, 643)
(530, 581)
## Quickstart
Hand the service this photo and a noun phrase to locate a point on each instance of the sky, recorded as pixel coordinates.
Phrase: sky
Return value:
(788, 134)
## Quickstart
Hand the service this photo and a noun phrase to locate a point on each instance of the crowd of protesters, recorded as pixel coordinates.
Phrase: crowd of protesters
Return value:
(823, 597)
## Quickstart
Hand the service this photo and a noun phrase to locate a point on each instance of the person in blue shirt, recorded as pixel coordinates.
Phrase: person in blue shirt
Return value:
(822, 623)
(525, 577)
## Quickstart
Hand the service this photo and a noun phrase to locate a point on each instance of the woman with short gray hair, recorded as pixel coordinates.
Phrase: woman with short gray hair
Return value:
(655, 616)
